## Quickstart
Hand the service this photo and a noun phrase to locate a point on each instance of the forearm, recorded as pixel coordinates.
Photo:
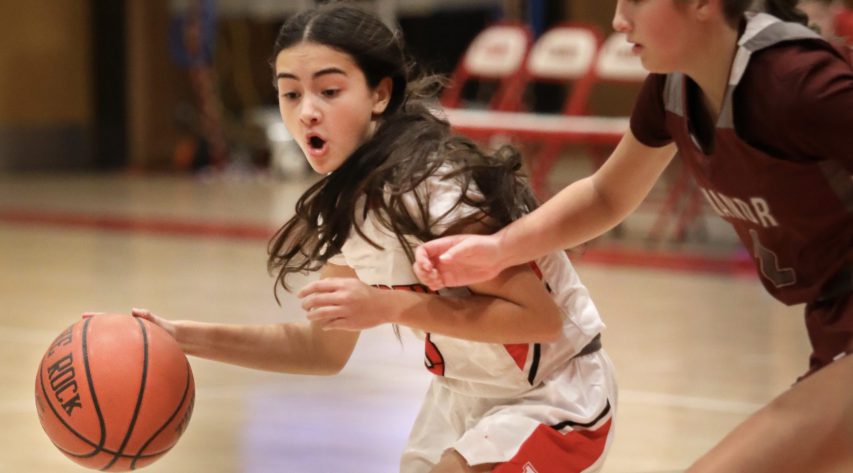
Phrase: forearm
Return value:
(479, 318)
(288, 348)
(588, 207)
(575, 215)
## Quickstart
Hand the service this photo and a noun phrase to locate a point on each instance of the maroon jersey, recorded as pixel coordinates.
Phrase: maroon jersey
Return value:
(777, 163)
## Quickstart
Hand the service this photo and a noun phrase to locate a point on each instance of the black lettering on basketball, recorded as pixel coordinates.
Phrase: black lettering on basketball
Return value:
(61, 372)
(70, 404)
(63, 339)
(72, 384)
(61, 375)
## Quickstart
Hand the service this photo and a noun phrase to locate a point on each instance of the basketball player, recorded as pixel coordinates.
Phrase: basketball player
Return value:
(761, 110)
(521, 383)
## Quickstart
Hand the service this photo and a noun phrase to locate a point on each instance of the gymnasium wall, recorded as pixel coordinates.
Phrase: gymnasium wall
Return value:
(45, 93)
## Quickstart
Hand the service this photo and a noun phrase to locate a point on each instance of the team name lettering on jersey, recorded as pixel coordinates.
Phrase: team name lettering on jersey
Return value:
(757, 210)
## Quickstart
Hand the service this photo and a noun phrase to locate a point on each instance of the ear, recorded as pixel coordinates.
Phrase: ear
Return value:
(382, 95)
(704, 8)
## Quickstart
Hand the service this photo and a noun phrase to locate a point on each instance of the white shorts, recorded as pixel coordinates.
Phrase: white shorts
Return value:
(563, 425)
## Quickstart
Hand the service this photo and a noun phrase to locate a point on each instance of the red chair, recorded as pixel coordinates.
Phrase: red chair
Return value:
(497, 55)
(565, 55)
(614, 63)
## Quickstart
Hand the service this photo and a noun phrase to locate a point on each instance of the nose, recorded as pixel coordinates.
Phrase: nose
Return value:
(620, 21)
(309, 113)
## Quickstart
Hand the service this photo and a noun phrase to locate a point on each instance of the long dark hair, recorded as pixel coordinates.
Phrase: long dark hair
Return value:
(409, 145)
(785, 10)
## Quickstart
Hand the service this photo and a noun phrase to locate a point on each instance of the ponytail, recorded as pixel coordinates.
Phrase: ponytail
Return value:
(786, 10)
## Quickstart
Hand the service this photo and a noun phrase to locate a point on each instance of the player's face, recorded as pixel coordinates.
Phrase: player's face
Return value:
(326, 103)
(660, 31)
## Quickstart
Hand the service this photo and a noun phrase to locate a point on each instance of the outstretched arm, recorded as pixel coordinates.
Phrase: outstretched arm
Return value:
(583, 210)
(300, 348)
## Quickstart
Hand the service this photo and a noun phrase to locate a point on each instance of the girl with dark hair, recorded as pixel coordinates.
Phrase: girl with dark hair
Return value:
(760, 108)
(521, 382)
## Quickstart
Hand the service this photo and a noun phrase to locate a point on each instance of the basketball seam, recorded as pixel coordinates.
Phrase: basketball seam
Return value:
(139, 454)
(139, 396)
(101, 422)
(112, 452)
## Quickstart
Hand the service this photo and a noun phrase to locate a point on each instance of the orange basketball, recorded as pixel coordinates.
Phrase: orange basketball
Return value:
(114, 392)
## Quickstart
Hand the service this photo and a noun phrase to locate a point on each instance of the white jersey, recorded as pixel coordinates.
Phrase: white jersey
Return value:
(467, 367)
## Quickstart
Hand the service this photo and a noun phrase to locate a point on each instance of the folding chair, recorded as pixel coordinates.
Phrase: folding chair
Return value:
(495, 55)
(613, 64)
(617, 63)
(566, 55)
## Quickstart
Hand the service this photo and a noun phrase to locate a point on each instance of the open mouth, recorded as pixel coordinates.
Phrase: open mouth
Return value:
(317, 146)
(316, 143)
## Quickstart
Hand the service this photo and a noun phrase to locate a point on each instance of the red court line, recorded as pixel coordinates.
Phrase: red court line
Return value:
(735, 263)
(150, 225)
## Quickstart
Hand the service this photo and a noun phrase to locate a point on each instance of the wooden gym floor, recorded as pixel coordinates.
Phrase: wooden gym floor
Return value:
(695, 352)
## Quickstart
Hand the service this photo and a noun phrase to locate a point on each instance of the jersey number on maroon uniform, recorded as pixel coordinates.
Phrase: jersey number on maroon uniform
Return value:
(768, 263)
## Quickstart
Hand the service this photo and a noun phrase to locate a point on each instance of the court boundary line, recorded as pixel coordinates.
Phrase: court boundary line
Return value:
(738, 263)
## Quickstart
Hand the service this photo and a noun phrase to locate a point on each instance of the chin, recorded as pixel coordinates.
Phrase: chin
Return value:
(655, 68)
(318, 168)
(324, 167)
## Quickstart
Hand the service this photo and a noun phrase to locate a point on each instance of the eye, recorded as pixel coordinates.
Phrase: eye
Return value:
(291, 95)
(330, 93)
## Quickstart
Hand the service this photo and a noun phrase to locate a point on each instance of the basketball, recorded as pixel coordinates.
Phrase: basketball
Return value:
(114, 392)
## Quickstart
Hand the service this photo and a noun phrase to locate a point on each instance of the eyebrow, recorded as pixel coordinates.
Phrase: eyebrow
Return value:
(321, 72)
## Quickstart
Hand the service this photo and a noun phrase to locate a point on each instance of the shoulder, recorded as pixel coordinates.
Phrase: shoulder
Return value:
(444, 188)
(796, 101)
(812, 69)
(443, 198)
(648, 119)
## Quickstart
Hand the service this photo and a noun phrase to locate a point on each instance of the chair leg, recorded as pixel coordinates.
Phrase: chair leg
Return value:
(669, 206)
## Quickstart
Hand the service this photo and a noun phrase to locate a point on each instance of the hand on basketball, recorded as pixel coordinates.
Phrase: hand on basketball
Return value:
(343, 304)
(166, 325)
(457, 260)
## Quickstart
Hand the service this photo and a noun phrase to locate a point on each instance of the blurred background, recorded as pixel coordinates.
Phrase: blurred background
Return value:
(129, 84)
(120, 85)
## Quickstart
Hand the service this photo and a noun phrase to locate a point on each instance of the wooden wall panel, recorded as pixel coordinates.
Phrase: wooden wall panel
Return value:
(45, 57)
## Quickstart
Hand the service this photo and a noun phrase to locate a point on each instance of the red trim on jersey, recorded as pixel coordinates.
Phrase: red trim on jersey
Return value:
(518, 352)
(551, 451)
(535, 268)
(433, 360)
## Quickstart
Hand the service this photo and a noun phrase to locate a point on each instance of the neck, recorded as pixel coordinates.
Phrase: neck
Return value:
(712, 65)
